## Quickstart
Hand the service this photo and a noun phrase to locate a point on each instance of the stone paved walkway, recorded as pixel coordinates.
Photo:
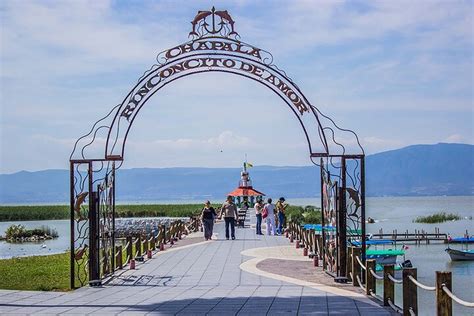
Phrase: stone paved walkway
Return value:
(200, 279)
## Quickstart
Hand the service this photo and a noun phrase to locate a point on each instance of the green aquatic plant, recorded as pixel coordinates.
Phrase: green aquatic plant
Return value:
(437, 218)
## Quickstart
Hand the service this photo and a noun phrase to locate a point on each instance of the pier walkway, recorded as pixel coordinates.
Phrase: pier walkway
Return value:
(218, 277)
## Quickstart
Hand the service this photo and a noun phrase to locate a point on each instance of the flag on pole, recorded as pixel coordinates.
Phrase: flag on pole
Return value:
(248, 165)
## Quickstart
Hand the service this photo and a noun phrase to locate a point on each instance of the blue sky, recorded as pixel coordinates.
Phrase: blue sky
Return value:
(397, 72)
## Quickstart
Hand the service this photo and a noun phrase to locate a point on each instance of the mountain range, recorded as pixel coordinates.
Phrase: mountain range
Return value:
(418, 170)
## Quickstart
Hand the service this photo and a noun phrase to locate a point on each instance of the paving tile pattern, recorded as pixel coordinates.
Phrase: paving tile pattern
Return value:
(204, 279)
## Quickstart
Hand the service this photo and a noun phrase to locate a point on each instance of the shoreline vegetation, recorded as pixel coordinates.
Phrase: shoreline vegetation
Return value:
(439, 217)
(309, 214)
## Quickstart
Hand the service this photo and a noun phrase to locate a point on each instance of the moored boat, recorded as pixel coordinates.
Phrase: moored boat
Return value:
(461, 240)
(388, 256)
(460, 255)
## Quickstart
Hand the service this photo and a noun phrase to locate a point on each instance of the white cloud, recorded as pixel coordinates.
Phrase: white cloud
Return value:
(226, 139)
(65, 64)
(458, 138)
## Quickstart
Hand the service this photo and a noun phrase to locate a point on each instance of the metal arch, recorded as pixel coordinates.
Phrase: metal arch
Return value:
(351, 194)
(192, 56)
(204, 71)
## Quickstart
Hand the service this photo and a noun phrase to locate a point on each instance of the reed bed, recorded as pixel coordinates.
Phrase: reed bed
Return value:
(53, 212)
(437, 218)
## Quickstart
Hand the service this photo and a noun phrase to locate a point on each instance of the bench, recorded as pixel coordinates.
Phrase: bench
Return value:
(241, 219)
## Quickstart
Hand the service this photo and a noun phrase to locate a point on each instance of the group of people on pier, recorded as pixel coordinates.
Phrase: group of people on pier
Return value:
(273, 214)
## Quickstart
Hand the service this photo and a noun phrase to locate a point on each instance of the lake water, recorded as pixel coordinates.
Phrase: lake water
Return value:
(389, 212)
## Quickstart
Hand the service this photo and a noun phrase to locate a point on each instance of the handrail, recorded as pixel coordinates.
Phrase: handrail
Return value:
(394, 307)
(360, 283)
(360, 262)
(126, 245)
(126, 260)
(391, 278)
(375, 275)
(454, 297)
(376, 296)
(420, 285)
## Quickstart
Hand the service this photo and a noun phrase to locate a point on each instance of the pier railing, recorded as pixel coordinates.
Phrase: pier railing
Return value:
(136, 247)
(363, 274)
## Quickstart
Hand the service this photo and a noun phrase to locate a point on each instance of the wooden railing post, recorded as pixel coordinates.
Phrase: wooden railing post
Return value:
(145, 244)
(153, 241)
(119, 257)
(169, 232)
(370, 282)
(130, 247)
(164, 234)
(410, 293)
(444, 304)
(388, 285)
(320, 246)
(356, 268)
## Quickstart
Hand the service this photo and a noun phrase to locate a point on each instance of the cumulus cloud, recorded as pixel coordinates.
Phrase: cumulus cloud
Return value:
(396, 71)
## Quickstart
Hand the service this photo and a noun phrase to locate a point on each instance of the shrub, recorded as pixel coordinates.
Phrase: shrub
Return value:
(19, 231)
(304, 215)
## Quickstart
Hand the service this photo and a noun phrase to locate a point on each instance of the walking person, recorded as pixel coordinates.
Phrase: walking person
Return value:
(229, 212)
(258, 214)
(281, 207)
(269, 210)
(208, 215)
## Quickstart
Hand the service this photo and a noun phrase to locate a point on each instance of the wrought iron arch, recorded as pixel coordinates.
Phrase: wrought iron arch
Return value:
(214, 46)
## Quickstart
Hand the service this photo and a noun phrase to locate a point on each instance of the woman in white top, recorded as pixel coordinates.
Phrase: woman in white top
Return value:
(269, 208)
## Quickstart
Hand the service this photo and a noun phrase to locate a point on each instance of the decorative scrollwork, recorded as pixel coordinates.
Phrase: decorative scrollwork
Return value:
(80, 242)
(214, 46)
(329, 225)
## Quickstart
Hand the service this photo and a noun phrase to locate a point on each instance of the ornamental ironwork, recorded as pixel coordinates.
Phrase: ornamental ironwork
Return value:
(213, 23)
(214, 46)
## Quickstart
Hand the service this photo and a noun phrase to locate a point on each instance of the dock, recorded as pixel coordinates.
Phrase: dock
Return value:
(218, 277)
(417, 236)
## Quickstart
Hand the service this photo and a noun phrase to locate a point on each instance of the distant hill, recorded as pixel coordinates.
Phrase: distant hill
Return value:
(442, 169)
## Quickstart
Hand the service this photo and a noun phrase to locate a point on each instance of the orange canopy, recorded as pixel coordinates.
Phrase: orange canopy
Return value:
(246, 191)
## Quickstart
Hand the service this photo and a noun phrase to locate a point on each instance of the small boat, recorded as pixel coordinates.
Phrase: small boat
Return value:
(374, 242)
(381, 256)
(388, 256)
(460, 255)
(461, 240)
